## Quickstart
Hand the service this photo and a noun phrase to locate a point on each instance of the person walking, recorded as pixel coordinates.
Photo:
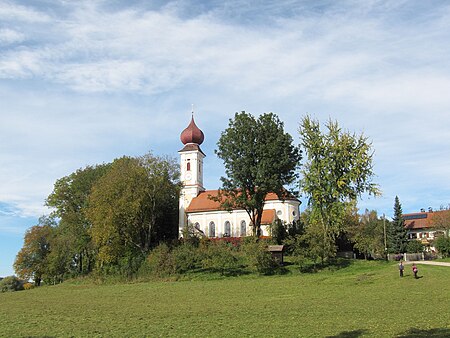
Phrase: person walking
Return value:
(415, 270)
(401, 268)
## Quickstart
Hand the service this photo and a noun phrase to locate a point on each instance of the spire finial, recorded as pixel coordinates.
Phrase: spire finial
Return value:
(192, 110)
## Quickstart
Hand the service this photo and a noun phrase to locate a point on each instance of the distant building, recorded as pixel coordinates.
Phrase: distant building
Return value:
(197, 208)
(424, 226)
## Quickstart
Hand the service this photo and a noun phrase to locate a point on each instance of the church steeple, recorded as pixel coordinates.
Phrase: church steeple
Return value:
(191, 167)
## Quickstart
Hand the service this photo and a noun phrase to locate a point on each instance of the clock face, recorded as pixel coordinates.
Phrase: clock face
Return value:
(188, 176)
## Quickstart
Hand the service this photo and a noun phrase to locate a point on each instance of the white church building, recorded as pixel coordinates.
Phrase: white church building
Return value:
(205, 214)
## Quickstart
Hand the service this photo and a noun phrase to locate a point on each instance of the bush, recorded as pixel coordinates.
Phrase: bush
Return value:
(160, 262)
(11, 283)
(28, 286)
(414, 246)
(257, 257)
(442, 245)
(186, 257)
(221, 257)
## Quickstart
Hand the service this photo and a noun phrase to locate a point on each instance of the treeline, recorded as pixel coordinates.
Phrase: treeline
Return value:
(106, 218)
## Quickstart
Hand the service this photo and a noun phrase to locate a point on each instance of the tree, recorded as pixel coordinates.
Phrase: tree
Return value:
(397, 233)
(441, 221)
(133, 207)
(31, 261)
(259, 158)
(368, 234)
(337, 171)
(70, 198)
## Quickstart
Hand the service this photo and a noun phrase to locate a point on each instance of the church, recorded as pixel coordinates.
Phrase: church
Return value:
(197, 208)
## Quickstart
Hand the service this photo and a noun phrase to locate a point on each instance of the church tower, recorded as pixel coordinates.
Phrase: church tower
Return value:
(191, 166)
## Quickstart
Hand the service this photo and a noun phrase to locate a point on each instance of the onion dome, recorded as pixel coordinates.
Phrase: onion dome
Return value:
(192, 134)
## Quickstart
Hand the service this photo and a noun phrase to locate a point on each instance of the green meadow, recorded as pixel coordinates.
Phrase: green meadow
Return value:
(362, 299)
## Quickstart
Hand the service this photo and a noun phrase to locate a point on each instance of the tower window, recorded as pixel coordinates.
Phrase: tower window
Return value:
(188, 166)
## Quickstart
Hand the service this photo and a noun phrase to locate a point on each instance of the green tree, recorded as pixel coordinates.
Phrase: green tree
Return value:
(442, 245)
(368, 234)
(133, 207)
(259, 158)
(337, 171)
(31, 261)
(397, 233)
(69, 199)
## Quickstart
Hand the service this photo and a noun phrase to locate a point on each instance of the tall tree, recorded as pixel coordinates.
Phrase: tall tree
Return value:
(134, 206)
(397, 234)
(69, 199)
(31, 261)
(259, 158)
(337, 170)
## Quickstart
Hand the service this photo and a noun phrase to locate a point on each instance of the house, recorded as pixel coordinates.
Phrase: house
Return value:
(426, 226)
(205, 214)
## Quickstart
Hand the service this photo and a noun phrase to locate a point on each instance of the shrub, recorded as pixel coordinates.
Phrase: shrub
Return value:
(11, 283)
(160, 262)
(28, 286)
(186, 257)
(442, 245)
(221, 257)
(414, 246)
(257, 257)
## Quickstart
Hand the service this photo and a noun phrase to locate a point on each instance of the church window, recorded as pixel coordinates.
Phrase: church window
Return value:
(212, 229)
(188, 166)
(227, 229)
(243, 228)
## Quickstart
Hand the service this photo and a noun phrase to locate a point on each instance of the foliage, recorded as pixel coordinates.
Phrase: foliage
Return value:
(278, 231)
(259, 158)
(11, 283)
(160, 261)
(442, 245)
(257, 257)
(31, 261)
(134, 206)
(397, 233)
(74, 252)
(337, 171)
(368, 234)
(414, 246)
(441, 220)
(221, 257)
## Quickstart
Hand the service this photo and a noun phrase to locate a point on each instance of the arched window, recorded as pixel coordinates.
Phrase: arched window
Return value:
(197, 225)
(243, 229)
(188, 166)
(212, 229)
(227, 229)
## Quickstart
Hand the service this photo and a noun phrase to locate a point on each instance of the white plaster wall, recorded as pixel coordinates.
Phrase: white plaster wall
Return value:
(235, 217)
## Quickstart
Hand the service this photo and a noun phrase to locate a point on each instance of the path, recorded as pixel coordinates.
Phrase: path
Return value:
(428, 263)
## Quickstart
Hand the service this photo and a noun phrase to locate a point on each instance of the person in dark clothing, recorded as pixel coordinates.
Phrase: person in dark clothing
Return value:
(401, 268)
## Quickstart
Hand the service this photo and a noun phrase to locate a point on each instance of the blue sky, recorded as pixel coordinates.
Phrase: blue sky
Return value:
(84, 82)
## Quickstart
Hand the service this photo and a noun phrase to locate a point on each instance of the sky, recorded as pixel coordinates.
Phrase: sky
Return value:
(85, 82)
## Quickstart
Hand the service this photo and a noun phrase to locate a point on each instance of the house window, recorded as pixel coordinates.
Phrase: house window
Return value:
(227, 229)
(243, 229)
(212, 229)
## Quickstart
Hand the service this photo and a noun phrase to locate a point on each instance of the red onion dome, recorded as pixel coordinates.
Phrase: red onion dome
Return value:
(192, 134)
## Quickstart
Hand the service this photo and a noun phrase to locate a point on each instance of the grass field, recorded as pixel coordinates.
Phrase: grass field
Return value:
(362, 299)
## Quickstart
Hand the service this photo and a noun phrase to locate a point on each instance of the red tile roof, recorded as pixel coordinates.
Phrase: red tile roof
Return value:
(203, 202)
(421, 220)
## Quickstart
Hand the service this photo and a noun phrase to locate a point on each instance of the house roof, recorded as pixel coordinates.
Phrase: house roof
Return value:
(203, 202)
(422, 220)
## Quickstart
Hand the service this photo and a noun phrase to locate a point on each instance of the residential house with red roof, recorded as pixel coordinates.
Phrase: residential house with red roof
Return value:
(199, 209)
(426, 226)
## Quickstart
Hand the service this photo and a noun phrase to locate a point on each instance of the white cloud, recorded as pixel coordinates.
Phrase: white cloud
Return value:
(9, 36)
